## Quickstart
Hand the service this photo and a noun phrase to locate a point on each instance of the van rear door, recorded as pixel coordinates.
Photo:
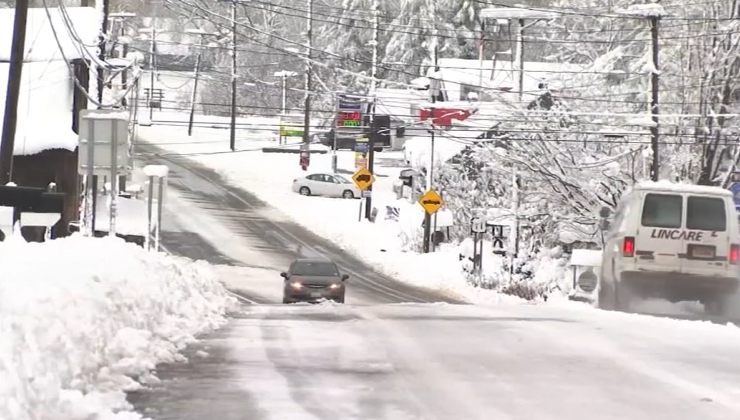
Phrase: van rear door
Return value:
(659, 240)
(707, 239)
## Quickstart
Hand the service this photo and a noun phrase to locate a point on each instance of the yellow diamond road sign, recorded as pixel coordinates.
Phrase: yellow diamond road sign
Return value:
(363, 178)
(431, 201)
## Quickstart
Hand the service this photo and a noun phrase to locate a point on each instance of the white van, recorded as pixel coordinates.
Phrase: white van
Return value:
(672, 241)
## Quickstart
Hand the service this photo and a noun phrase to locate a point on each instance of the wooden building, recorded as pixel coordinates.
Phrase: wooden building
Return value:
(50, 100)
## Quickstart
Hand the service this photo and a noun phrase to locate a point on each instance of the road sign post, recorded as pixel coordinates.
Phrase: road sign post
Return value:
(103, 151)
(362, 147)
(430, 201)
(305, 157)
(478, 228)
(363, 178)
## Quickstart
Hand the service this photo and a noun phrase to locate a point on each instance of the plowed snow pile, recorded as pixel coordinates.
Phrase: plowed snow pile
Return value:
(83, 320)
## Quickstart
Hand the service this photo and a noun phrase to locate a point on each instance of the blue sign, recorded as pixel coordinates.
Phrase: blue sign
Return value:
(349, 103)
(735, 189)
(362, 146)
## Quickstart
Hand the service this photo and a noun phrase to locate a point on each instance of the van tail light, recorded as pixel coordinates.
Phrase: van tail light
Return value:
(734, 253)
(628, 246)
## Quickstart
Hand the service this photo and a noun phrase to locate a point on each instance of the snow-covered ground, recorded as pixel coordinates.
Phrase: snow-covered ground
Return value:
(83, 320)
(270, 176)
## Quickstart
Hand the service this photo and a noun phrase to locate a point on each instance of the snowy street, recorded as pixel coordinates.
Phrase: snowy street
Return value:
(209, 220)
(392, 353)
(449, 362)
(497, 211)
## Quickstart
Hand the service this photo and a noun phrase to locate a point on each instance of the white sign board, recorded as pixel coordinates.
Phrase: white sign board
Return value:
(478, 225)
(99, 128)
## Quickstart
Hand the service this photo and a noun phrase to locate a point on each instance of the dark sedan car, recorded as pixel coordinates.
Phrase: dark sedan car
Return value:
(312, 280)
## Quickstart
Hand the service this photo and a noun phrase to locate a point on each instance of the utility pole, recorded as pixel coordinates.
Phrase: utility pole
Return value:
(655, 82)
(433, 88)
(373, 127)
(232, 131)
(152, 68)
(15, 72)
(481, 55)
(101, 53)
(520, 59)
(194, 96)
(309, 78)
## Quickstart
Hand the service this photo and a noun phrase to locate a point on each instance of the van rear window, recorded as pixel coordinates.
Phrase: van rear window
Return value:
(662, 211)
(706, 213)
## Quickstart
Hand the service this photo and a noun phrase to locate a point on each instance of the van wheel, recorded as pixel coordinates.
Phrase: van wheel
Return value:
(606, 296)
(713, 307)
(720, 305)
(623, 296)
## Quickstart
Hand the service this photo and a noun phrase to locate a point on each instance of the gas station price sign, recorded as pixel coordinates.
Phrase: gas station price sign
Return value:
(349, 119)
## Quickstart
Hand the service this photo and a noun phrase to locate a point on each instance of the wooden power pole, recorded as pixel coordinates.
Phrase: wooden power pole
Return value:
(15, 72)
(309, 77)
(655, 85)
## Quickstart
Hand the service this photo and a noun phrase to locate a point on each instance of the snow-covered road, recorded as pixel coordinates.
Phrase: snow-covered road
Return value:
(377, 358)
(210, 220)
(450, 362)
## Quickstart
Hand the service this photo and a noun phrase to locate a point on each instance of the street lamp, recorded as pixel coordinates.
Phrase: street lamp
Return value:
(152, 57)
(284, 74)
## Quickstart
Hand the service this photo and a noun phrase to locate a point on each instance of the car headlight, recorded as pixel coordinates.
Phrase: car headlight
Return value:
(296, 285)
(335, 286)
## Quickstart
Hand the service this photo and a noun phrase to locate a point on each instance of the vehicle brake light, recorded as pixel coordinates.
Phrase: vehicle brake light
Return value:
(734, 253)
(628, 247)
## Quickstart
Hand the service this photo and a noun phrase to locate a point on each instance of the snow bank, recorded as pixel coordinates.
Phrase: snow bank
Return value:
(82, 320)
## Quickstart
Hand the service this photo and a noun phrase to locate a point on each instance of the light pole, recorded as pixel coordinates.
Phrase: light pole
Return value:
(152, 64)
(283, 75)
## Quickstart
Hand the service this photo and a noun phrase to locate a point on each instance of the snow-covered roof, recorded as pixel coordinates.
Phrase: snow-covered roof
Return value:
(464, 71)
(507, 12)
(40, 42)
(667, 186)
(171, 38)
(397, 103)
(644, 10)
(44, 107)
(586, 257)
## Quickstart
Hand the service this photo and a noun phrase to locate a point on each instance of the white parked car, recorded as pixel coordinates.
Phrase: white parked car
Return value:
(327, 185)
(677, 242)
